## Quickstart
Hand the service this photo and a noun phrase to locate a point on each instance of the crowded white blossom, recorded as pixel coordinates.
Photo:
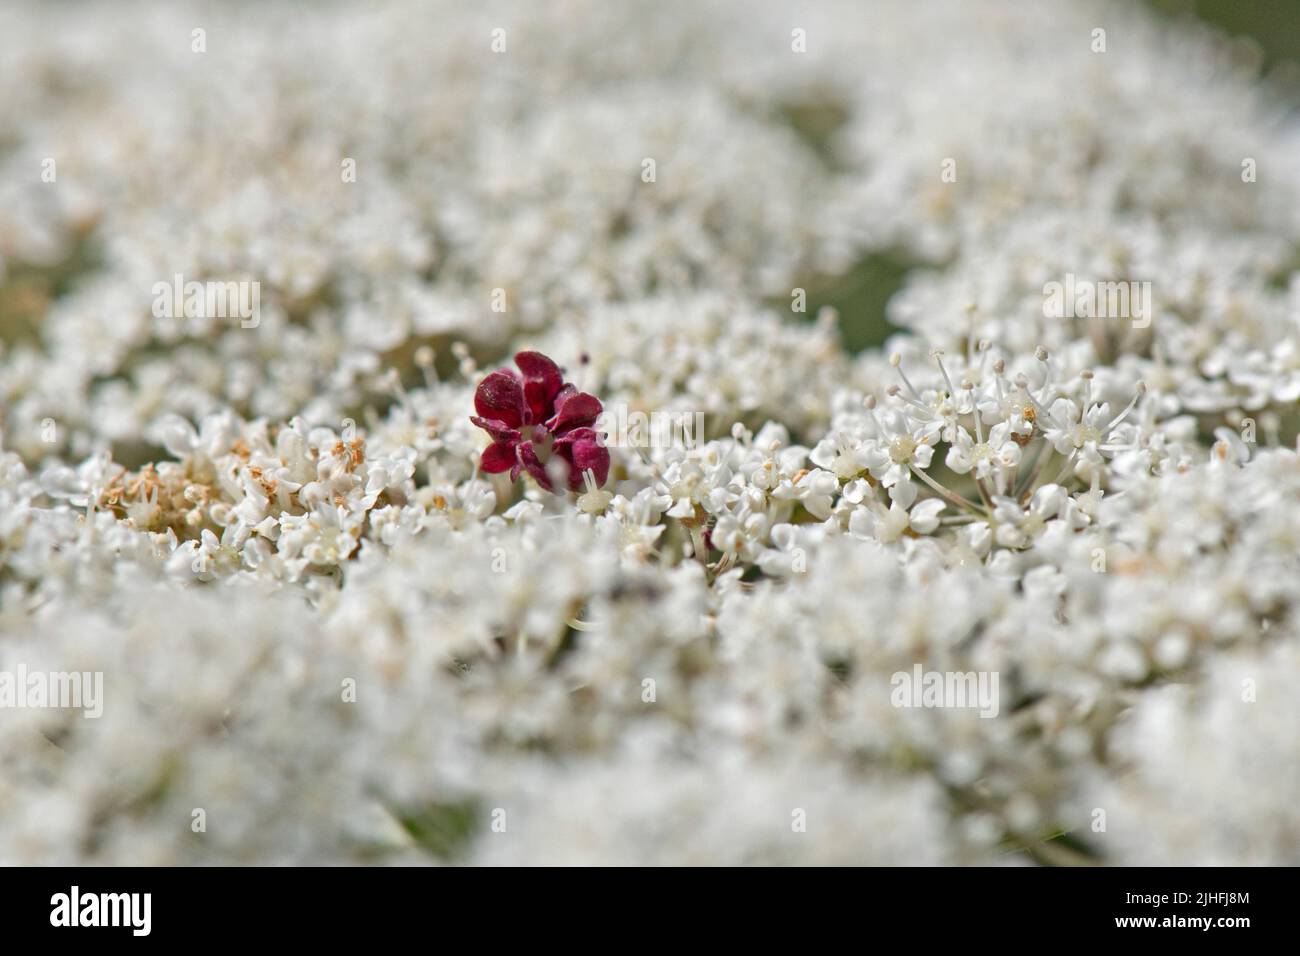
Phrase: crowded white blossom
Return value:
(364, 585)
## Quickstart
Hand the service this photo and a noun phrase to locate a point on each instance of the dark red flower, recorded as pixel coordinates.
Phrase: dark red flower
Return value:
(533, 416)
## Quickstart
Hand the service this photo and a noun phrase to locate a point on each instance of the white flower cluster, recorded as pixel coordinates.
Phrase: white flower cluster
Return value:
(327, 634)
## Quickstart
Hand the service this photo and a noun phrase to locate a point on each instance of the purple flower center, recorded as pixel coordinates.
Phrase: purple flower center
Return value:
(534, 411)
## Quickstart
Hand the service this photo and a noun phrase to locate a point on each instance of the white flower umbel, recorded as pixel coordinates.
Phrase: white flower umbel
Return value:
(324, 619)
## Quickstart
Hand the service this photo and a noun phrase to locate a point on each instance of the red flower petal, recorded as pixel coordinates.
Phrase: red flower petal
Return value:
(564, 394)
(542, 382)
(583, 450)
(500, 397)
(574, 410)
(498, 431)
(498, 457)
(528, 458)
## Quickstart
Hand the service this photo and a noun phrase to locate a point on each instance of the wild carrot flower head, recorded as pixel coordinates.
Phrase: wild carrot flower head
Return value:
(538, 421)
